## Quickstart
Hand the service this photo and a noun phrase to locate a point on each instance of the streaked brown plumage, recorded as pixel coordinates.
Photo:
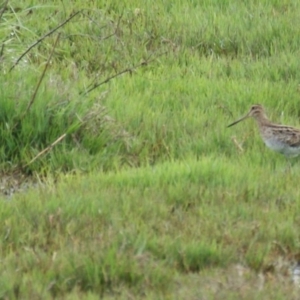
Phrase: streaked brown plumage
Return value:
(280, 138)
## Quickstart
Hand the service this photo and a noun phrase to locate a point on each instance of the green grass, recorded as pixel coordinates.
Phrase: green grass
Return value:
(148, 195)
(143, 228)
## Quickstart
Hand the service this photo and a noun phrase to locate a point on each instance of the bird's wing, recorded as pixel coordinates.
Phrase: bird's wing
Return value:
(289, 135)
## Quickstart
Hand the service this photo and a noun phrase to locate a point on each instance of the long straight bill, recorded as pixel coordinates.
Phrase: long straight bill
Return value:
(239, 120)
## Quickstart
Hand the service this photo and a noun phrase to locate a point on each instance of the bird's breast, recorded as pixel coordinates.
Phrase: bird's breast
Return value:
(279, 146)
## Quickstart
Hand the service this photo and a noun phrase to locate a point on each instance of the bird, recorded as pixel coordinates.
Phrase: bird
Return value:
(280, 138)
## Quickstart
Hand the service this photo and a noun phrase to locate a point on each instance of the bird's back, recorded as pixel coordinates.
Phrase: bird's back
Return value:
(281, 138)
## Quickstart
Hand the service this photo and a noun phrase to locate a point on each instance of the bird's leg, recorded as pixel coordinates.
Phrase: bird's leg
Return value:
(288, 168)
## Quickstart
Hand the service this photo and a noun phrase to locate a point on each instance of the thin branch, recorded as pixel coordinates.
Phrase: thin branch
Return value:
(39, 83)
(91, 37)
(110, 35)
(46, 149)
(2, 50)
(144, 63)
(93, 21)
(107, 37)
(3, 9)
(42, 38)
(42, 76)
(119, 22)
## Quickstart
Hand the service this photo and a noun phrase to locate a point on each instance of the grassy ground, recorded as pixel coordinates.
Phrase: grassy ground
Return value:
(147, 194)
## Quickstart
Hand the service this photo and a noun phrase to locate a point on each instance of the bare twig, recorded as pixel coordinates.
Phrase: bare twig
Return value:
(39, 83)
(143, 63)
(2, 50)
(108, 36)
(3, 8)
(43, 74)
(118, 23)
(93, 21)
(111, 34)
(47, 149)
(42, 38)
(92, 37)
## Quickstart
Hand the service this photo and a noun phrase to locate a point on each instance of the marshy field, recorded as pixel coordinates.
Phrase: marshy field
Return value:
(118, 176)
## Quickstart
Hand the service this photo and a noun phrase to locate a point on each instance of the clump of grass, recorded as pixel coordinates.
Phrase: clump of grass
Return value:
(59, 125)
(194, 257)
(53, 114)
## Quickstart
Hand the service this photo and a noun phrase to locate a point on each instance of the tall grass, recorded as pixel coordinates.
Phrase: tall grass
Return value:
(209, 73)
